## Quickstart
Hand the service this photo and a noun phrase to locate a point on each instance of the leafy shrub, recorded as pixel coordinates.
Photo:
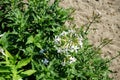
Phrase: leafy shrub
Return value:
(36, 45)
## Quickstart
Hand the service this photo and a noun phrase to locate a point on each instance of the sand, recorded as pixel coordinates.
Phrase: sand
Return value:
(108, 26)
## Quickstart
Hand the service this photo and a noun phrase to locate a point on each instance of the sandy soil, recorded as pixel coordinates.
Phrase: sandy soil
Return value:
(108, 27)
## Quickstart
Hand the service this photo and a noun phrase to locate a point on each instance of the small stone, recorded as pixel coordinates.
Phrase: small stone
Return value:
(96, 0)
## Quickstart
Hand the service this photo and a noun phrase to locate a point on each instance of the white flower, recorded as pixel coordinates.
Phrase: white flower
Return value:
(71, 31)
(1, 35)
(63, 33)
(59, 50)
(72, 59)
(74, 48)
(2, 51)
(63, 63)
(41, 51)
(80, 42)
(45, 61)
(66, 50)
(57, 39)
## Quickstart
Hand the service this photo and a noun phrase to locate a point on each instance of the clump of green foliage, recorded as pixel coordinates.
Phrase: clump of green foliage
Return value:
(34, 44)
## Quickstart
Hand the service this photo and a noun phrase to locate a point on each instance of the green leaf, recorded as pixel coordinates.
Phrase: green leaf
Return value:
(4, 69)
(23, 62)
(4, 40)
(3, 62)
(30, 40)
(38, 45)
(37, 38)
(1, 13)
(2, 78)
(8, 54)
(27, 73)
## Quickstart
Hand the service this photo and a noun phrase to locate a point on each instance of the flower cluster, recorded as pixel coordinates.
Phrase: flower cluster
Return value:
(68, 41)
